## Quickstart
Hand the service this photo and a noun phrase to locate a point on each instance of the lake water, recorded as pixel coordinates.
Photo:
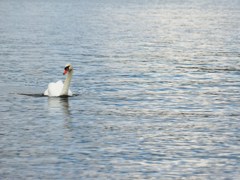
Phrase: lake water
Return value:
(157, 87)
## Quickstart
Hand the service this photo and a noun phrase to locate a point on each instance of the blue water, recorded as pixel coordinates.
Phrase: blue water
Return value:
(157, 87)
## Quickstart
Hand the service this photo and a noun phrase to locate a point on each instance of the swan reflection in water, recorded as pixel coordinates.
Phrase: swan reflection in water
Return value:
(58, 105)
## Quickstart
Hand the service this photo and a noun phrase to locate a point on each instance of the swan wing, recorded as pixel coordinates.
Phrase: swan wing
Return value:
(46, 92)
(70, 93)
(54, 89)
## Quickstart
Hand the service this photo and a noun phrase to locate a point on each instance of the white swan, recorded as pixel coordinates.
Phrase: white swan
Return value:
(59, 88)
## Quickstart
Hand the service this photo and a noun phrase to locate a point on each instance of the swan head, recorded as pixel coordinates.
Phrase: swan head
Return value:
(68, 68)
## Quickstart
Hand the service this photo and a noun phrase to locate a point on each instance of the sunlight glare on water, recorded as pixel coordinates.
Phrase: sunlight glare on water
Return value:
(157, 87)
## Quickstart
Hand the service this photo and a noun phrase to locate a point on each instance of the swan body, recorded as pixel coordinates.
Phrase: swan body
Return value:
(59, 88)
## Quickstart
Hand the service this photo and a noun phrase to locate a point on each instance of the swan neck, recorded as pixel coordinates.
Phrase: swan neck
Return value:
(67, 83)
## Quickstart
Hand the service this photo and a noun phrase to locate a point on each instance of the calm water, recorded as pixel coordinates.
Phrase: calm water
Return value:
(158, 85)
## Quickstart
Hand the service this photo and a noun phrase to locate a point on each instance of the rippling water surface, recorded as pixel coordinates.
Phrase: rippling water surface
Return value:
(157, 85)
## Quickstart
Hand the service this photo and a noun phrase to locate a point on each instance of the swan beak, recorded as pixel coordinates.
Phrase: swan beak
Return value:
(65, 72)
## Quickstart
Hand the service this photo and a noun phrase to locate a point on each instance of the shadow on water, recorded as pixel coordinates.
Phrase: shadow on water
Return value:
(32, 95)
(42, 95)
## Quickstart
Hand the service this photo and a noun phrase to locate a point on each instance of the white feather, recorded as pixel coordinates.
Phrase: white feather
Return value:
(59, 88)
